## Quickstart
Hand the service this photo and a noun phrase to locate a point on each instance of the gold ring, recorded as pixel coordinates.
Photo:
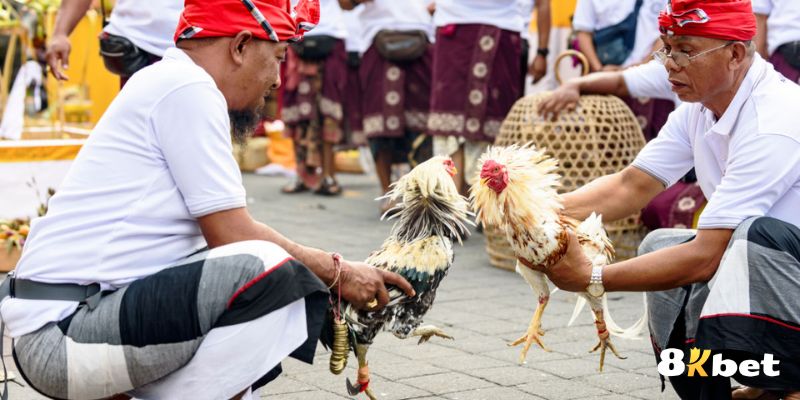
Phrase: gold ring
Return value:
(372, 304)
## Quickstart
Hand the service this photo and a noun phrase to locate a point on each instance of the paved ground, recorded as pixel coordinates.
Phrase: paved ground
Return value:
(481, 306)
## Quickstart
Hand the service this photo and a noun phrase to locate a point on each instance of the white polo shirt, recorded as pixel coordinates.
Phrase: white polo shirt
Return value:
(747, 162)
(394, 14)
(149, 24)
(591, 15)
(649, 80)
(504, 14)
(159, 158)
(783, 23)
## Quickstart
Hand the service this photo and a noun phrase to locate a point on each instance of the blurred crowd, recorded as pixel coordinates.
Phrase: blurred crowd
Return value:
(409, 79)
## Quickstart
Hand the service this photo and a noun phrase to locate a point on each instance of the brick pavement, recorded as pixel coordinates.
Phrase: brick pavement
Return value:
(481, 306)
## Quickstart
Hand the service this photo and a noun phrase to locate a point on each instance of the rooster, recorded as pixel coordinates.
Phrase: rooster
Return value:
(516, 192)
(430, 214)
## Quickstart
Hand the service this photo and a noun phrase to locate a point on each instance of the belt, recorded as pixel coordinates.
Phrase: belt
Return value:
(32, 290)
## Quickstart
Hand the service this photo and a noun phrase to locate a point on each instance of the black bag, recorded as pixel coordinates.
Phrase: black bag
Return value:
(791, 53)
(315, 48)
(401, 46)
(614, 44)
(121, 56)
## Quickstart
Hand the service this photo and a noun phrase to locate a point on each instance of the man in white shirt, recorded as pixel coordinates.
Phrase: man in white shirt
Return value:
(727, 286)
(147, 25)
(116, 293)
(778, 37)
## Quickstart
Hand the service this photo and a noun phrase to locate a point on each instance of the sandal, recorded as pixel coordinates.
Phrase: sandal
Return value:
(329, 187)
(297, 186)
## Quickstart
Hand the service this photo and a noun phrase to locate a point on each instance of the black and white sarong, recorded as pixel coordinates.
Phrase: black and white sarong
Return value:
(208, 328)
(750, 307)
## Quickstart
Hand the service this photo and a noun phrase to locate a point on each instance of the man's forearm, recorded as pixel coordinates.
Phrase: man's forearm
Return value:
(672, 267)
(586, 43)
(601, 83)
(543, 22)
(614, 196)
(69, 14)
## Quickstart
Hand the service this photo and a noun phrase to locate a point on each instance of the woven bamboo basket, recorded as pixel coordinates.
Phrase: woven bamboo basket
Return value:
(600, 137)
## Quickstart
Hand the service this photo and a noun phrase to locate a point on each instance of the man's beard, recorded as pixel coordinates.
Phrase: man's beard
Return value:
(243, 123)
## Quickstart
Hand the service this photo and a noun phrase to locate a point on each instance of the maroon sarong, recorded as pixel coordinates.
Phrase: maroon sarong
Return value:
(781, 65)
(354, 124)
(394, 97)
(476, 75)
(313, 95)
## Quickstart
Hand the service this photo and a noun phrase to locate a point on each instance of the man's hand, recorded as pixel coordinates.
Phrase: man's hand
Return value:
(362, 283)
(538, 68)
(573, 272)
(564, 98)
(57, 56)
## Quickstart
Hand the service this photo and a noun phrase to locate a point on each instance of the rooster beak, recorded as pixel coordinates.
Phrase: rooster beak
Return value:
(453, 171)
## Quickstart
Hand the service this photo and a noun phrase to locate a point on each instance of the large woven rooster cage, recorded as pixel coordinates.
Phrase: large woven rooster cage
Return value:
(600, 136)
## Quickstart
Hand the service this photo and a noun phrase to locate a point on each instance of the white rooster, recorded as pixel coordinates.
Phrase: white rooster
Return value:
(516, 192)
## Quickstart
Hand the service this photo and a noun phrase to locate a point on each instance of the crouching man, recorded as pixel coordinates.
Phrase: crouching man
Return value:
(148, 276)
(729, 286)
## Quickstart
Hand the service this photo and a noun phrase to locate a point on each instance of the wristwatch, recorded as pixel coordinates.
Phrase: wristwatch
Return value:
(595, 287)
(543, 51)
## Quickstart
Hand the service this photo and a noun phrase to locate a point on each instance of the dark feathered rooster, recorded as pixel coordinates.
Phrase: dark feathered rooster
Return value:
(430, 214)
(516, 192)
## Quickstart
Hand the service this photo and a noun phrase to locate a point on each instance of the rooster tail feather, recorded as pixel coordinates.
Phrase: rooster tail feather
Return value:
(635, 331)
(577, 310)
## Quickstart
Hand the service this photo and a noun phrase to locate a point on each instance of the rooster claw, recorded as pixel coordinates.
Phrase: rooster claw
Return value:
(602, 345)
(354, 390)
(426, 332)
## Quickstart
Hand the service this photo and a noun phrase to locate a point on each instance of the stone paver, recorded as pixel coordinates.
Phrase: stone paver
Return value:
(481, 306)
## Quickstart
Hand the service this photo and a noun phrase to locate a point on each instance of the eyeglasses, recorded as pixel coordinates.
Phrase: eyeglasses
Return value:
(682, 58)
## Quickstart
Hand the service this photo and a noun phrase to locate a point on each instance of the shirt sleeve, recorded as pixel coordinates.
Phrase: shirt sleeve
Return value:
(762, 7)
(192, 128)
(759, 175)
(669, 156)
(649, 80)
(584, 18)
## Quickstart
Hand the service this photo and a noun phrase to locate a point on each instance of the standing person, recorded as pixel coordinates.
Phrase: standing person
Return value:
(354, 44)
(395, 74)
(476, 74)
(616, 35)
(537, 68)
(313, 99)
(117, 290)
(137, 35)
(726, 286)
(778, 37)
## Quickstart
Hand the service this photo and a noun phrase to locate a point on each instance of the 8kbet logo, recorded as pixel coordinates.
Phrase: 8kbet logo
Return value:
(672, 364)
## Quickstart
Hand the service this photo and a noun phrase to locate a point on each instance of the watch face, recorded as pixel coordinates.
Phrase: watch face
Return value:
(595, 289)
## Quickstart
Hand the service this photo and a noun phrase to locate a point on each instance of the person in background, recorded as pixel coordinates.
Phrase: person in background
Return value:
(354, 44)
(313, 98)
(471, 97)
(778, 37)
(395, 77)
(619, 34)
(137, 34)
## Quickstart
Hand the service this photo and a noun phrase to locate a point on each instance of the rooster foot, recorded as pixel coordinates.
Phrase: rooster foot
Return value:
(426, 332)
(354, 390)
(602, 345)
(534, 334)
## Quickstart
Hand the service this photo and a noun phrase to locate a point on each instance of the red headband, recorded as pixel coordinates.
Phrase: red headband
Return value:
(265, 19)
(717, 19)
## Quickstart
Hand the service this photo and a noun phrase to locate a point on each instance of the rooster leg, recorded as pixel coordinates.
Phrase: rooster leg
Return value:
(428, 331)
(605, 338)
(534, 330)
(362, 385)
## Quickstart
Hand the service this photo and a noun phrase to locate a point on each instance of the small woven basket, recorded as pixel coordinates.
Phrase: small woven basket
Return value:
(600, 137)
